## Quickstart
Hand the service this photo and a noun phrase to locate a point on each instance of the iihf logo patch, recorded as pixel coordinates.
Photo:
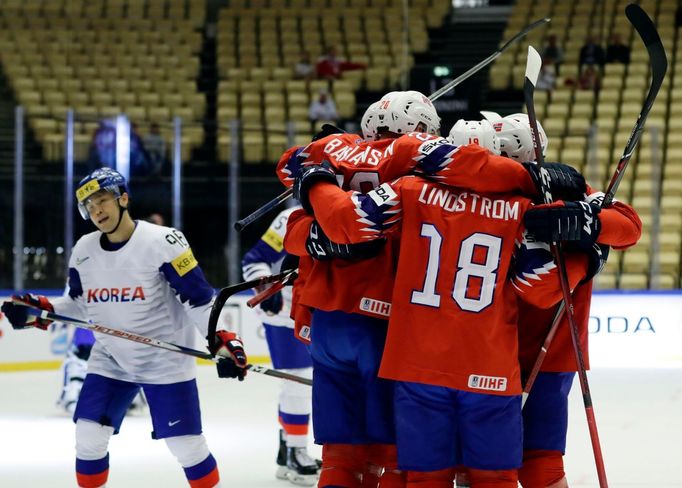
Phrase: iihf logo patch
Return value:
(494, 383)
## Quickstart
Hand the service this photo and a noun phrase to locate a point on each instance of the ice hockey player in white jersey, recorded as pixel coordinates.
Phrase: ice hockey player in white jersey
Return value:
(142, 278)
(287, 353)
(74, 369)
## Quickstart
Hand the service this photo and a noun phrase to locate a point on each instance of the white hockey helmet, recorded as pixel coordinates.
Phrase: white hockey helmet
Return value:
(401, 112)
(369, 122)
(479, 132)
(513, 131)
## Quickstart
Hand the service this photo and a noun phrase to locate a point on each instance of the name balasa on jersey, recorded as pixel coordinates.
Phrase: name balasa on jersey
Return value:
(118, 295)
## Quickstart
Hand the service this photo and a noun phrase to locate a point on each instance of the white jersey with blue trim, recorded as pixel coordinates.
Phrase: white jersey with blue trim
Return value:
(151, 286)
(264, 259)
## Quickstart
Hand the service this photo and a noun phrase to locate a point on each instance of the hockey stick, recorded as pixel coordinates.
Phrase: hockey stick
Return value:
(533, 66)
(259, 212)
(225, 293)
(268, 292)
(169, 346)
(282, 197)
(475, 69)
(659, 65)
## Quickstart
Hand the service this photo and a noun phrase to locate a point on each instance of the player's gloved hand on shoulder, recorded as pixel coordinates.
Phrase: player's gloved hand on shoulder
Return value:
(272, 305)
(233, 360)
(289, 263)
(565, 182)
(20, 317)
(327, 130)
(309, 175)
(319, 247)
(597, 256)
(576, 222)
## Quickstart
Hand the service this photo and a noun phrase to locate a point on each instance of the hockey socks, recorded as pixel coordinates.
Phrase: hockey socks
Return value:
(342, 466)
(92, 474)
(295, 427)
(483, 478)
(381, 467)
(203, 475)
(442, 478)
(541, 469)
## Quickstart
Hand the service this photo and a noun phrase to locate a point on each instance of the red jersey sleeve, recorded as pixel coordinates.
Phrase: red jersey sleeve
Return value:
(621, 227)
(351, 217)
(536, 275)
(289, 165)
(298, 228)
(468, 166)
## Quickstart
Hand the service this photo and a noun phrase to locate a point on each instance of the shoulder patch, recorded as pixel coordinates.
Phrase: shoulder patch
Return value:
(273, 239)
(382, 194)
(185, 262)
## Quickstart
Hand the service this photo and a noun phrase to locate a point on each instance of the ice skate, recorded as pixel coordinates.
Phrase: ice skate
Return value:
(301, 468)
(294, 464)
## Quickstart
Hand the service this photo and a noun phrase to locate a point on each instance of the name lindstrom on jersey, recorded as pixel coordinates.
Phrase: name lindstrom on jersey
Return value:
(469, 202)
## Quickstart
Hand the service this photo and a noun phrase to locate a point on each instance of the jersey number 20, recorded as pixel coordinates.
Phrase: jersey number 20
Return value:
(466, 269)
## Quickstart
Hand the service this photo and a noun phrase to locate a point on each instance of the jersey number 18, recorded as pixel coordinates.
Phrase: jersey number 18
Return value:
(466, 269)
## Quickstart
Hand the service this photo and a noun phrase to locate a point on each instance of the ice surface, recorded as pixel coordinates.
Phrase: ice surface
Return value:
(639, 413)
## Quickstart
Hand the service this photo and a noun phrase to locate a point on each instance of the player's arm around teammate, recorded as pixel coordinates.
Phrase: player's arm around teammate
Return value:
(546, 411)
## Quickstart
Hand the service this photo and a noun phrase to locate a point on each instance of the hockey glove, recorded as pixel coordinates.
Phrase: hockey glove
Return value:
(327, 130)
(565, 182)
(18, 315)
(272, 305)
(597, 255)
(233, 360)
(311, 174)
(575, 222)
(319, 247)
(289, 263)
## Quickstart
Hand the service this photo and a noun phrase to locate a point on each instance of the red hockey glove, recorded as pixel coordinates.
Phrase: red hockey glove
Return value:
(229, 345)
(19, 316)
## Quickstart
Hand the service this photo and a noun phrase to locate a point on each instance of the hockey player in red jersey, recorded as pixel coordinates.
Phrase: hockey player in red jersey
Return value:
(372, 279)
(452, 341)
(584, 227)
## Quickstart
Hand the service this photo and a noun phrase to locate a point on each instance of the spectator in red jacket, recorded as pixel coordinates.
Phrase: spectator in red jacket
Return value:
(331, 67)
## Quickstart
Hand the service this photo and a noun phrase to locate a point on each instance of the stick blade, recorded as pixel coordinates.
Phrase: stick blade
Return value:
(644, 25)
(533, 65)
(647, 31)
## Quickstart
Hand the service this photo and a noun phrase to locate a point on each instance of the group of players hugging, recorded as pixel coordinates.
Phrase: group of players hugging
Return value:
(425, 290)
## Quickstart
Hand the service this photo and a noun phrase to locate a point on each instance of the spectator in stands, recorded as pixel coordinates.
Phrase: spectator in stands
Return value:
(155, 218)
(592, 52)
(103, 149)
(552, 52)
(330, 67)
(304, 69)
(547, 76)
(589, 78)
(155, 145)
(617, 51)
(323, 109)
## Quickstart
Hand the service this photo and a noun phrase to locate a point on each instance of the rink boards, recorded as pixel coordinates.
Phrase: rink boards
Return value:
(642, 329)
